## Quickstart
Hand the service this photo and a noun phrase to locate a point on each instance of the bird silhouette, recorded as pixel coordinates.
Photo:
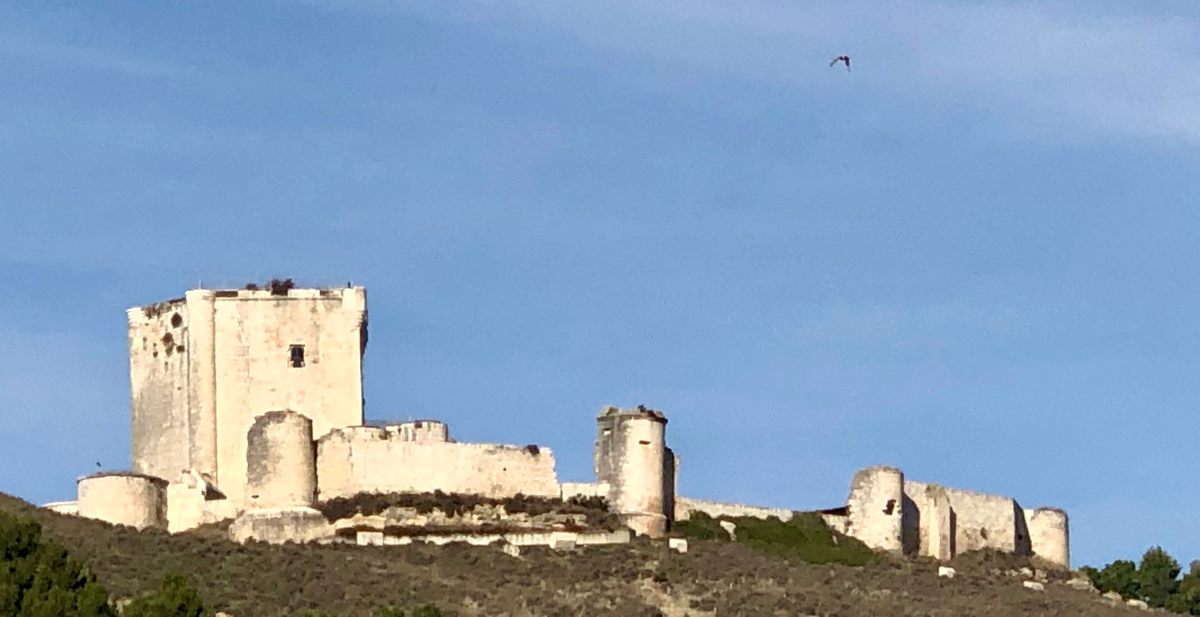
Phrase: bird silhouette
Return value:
(842, 59)
(97, 464)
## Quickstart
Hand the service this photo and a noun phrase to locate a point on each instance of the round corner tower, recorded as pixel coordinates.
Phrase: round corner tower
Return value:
(280, 467)
(1049, 535)
(876, 504)
(630, 457)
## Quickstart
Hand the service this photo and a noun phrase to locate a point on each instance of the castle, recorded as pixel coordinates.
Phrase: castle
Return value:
(247, 408)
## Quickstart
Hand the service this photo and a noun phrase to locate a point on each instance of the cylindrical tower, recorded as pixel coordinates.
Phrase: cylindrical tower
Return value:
(123, 498)
(876, 508)
(1049, 535)
(202, 382)
(280, 467)
(630, 451)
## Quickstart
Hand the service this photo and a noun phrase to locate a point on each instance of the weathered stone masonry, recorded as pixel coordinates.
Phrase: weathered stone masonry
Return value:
(247, 405)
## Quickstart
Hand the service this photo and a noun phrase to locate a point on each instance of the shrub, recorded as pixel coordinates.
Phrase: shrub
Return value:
(280, 287)
(805, 537)
(1157, 577)
(39, 579)
(174, 598)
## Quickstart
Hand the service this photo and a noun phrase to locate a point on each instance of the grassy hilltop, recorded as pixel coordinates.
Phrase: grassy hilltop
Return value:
(763, 576)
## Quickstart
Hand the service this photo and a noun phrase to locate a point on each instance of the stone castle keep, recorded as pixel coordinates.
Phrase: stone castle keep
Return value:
(247, 408)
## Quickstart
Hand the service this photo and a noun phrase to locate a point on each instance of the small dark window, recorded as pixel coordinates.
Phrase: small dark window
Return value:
(296, 356)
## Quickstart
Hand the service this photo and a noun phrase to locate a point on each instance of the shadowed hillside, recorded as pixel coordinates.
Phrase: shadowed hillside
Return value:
(643, 578)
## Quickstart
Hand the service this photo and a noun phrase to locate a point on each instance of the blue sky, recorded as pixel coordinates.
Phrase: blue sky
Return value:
(973, 257)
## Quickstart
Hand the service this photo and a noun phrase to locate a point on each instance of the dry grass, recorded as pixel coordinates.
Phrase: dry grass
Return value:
(639, 579)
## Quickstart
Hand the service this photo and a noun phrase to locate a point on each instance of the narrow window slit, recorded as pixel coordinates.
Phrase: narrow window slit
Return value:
(296, 356)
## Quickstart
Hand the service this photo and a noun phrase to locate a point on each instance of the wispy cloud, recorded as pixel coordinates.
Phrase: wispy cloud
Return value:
(1048, 68)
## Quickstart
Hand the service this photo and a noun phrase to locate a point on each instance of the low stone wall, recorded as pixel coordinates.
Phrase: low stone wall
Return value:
(63, 507)
(281, 525)
(368, 459)
(684, 507)
(553, 539)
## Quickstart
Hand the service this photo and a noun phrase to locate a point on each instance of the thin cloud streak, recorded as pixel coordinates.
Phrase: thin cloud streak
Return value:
(1050, 69)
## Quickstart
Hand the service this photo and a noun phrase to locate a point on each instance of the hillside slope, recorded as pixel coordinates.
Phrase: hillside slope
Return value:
(713, 578)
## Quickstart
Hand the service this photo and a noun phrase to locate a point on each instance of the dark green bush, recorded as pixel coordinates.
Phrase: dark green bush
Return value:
(805, 537)
(174, 598)
(39, 579)
(1155, 580)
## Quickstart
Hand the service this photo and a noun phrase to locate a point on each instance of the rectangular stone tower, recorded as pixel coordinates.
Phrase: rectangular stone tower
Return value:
(203, 366)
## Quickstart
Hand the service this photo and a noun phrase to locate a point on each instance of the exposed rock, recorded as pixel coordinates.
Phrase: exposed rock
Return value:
(679, 545)
(1138, 604)
(1082, 584)
(730, 528)
(1034, 586)
(946, 572)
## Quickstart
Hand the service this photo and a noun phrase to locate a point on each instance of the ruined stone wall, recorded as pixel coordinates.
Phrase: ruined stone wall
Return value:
(193, 501)
(63, 507)
(1049, 535)
(630, 457)
(927, 521)
(369, 460)
(685, 507)
(986, 521)
(570, 490)
(280, 466)
(875, 508)
(424, 431)
(130, 499)
(254, 333)
(158, 375)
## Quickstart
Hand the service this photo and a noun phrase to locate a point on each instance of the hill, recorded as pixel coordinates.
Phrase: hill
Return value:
(642, 578)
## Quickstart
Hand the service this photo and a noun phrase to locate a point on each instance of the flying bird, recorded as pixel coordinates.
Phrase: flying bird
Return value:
(98, 464)
(842, 59)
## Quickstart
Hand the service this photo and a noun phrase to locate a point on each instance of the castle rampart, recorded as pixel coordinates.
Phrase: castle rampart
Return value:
(685, 507)
(375, 460)
(942, 522)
